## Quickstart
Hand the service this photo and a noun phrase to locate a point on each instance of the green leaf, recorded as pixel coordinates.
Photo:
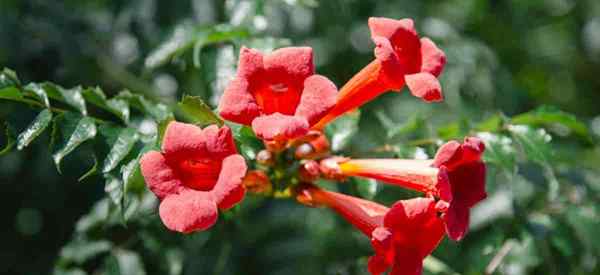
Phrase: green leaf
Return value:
(198, 111)
(127, 263)
(10, 137)
(162, 128)
(491, 124)
(117, 106)
(247, 142)
(550, 116)
(94, 218)
(366, 188)
(113, 187)
(228, 33)
(453, 130)
(304, 3)
(120, 141)
(175, 260)
(38, 91)
(499, 150)
(72, 129)
(158, 111)
(71, 97)
(8, 78)
(244, 134)
(68, 271)
(534, 142)
(132, 176)
(536, 147)
(186, 35)
(79, 251)
(342, 130)
(39, 124)
(11, 93)
(91, 171)
(584, 220)
(131, 173)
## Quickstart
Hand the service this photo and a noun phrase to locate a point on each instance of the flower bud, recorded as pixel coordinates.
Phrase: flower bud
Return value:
(257, 181)
(275, 146)
(265, 157)
(309, 171)
(330, 168)
(315, 148)
(304, 196)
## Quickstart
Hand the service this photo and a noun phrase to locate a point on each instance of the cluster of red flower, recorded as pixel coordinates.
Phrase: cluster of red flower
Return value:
(287, 105)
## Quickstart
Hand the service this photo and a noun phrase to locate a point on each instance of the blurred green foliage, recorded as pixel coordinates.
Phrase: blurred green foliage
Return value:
(508, 62)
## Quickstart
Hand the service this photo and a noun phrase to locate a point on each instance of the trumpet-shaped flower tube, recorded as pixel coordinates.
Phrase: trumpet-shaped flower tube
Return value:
(197, 172)
(363, 214)
(278, 94)
(401, 236)
(401, 57)
(456, 176)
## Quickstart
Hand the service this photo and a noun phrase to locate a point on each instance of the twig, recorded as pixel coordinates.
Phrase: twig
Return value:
(495, 262)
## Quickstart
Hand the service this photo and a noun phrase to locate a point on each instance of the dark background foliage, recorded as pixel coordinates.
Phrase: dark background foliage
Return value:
(506, 59)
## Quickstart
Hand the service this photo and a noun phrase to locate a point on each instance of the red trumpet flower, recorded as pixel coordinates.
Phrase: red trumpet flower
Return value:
(400, 58)
(456, 176)
(402, 236)
(363, 214)
(197, 172)
(277, 93)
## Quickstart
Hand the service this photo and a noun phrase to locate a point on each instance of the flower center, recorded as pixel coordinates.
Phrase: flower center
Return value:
(278, 97)
(200, 174)
(279, 88)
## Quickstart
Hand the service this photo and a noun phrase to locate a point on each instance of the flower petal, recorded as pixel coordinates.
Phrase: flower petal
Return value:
(448, 154)
(318, 97)
(382, 241)
(159, 177)
(182, 140)
(229, 189)
(388, 28)
(188, 211)
(456, 220)
(444, 190)
(377, 265)
(384, 52)
(237, 103)
(408, 262)
(391, 68)
(468, 183)
(290, 65)
(250, 63)
(472, 149)
(453, 154)
(424, 86)
(434, 59)
(219, 142)
(403, 40)
(279, 127)
(409, 215)
(468, 188)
